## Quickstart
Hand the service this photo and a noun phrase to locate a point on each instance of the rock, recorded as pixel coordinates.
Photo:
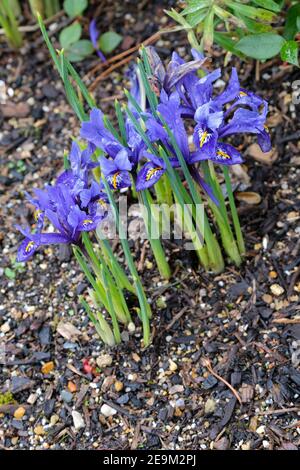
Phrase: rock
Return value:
(123, 399)
(32, 398)
(176, 389)
(105, 360)
(15, 110)
(131, 327)
(72, 387)
(276, 289)
(66, 396)
(45, 335)
(17, 424)
(209, 406)
(5, 327)
(128, 41)
(267, 298)
(135, 357)
(68, 331)
(209, 382)
(221, 444)
(49, 91)
(47, 367)
(247, 392)
(18, 384)
(173, 366)
(118, 386)
(249, 197)
(49, 407)
(54, 419)
(39, 430)
(20, 412)
(107, 410)
(78, 420)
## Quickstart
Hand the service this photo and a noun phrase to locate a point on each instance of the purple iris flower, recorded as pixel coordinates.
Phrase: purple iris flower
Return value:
(245, 112)
(121, 158)
(94, 35)
(116, 171)
(72, 205)
(151, 172)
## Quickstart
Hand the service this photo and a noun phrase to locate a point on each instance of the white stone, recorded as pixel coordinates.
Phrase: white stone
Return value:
(107, 410)
(78, 420)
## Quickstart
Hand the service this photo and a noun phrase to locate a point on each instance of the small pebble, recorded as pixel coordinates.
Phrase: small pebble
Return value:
(78, 420)
(276, 289)
(107, 410)
(5, 327)
(66, 396)
(209, 406)
(20, 412)
(47, 367)
(118, 386)
(39, 430)
(105, 360)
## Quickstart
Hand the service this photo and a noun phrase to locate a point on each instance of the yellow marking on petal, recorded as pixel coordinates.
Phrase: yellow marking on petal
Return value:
(29, 246)
(203, 138)
(222, 154)
(37, 214)
(242, 93)
(87, 222)
(266, 128)
(152, 172)
(102, 202)
(114, 180)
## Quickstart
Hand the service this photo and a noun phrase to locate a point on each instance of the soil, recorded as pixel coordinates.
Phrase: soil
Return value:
(240, 328)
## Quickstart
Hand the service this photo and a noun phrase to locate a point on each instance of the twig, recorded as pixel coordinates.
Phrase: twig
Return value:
(176, 318)
(279, 412)
(107, 72)
(286, 321)
(275, 354)
(207, 364)
(117, 57)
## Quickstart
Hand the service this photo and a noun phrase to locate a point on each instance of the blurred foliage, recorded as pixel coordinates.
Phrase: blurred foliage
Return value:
(259, 29)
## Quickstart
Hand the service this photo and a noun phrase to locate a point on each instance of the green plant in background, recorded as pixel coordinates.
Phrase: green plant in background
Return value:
(9, 13)
(76, 49)
(243, 28)
(46, 8)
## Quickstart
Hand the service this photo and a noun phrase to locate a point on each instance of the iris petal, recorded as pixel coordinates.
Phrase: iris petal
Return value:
(148, 176)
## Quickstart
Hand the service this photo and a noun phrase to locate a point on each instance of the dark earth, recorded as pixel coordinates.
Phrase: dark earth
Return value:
(240, 328)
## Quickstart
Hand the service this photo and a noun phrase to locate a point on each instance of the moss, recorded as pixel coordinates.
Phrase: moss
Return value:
(6, 398)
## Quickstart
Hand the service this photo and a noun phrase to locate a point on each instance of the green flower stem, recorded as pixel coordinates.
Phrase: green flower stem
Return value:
(99, 267)
(111, 260)
(113, 315)
(9, 23)
(180, 197)
(101, 325)
(213, 248)
(150, 222)
(221, 216)
(168, 190)
(144, 306)
(177, 188)
(235, 217)
(101, 291)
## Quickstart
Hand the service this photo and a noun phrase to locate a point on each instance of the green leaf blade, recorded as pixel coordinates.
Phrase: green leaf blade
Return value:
(289, 52)
(75, 7)
(261, 46)
(109, 41)
(70, 35)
